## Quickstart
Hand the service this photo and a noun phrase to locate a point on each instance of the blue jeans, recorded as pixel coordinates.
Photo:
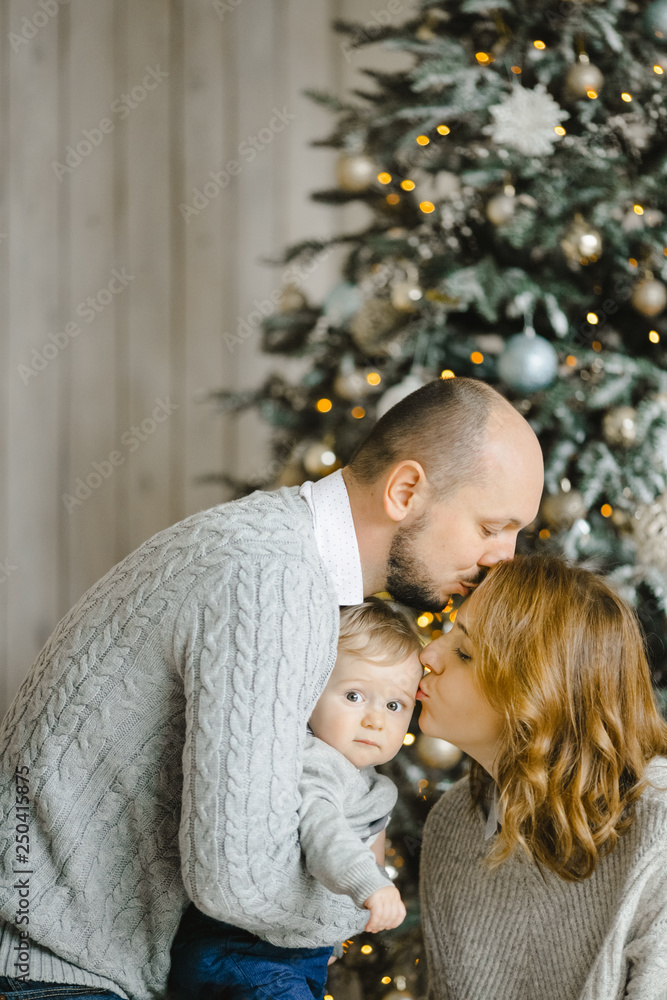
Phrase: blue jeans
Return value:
(211, 960)
(16, 989)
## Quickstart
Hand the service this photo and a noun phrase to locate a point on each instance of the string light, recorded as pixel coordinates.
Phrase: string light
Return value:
(592, 318)
(393, 199)
(659, 70)
(427, 207)
(632, 262)
(571, 360)
(373, 378)
(559, 130)
(516, 70)
(443, 129)
(592, 94)
(425, 619)
(358, 412)
(654, 336)
(408, 185)
(596, 345)
(423, 140)
(539, 45)
(408, 740)
(638, 209)
(626, 97)
(477, 357)
(606, 510)
(544, 534)
(447, 373)
(384, 177)
(324, 405)
(386, 980)
(366, 949)
(436, 633)
(482, 58)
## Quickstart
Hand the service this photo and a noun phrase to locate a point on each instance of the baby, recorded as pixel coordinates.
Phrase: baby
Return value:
(359, 721)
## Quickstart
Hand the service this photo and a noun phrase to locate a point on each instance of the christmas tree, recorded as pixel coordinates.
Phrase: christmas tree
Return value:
(516, 176)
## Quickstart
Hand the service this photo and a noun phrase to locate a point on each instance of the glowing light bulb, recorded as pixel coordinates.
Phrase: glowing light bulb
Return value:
(384, 178)
(408, 185)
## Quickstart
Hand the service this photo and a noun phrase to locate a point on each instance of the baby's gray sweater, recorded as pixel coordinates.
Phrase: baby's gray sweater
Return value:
(515, 933)
(339, 804)
(163, 727)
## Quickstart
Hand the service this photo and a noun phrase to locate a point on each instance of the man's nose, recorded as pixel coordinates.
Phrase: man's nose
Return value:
(498, 549)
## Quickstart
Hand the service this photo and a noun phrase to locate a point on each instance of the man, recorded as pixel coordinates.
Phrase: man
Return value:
(154, 750)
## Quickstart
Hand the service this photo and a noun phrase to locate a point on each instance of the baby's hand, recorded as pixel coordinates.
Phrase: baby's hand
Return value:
(387, 909)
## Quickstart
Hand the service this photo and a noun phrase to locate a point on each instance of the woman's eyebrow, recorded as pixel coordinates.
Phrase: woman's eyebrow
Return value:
(463, 628)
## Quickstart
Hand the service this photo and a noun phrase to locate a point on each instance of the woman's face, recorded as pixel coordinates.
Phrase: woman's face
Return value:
(453, 706)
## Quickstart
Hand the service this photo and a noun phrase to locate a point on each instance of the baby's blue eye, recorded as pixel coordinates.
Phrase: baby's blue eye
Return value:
(394, 706)
(353, 696)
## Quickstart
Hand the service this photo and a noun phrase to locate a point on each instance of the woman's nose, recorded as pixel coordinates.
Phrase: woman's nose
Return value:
(430, 656)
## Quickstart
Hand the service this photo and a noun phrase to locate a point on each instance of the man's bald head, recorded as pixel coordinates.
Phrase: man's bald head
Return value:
(447, 426)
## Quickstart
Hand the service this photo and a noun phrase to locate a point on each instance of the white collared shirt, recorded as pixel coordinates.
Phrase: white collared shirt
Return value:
(335, 536)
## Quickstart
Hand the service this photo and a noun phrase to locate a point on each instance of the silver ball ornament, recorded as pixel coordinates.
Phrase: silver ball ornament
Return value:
(619, 426)
(292, 299)
(500, 209)
(342, 302)
(528, 363)
(581, 240)
(437, 753)
(319, 459)
(351, 385)
(581, 78)
(655, 20)
(649, 297)
(373, 324)
(355, 172)
(405, 296)
(398, 392)
(650, 533)
(561, 510)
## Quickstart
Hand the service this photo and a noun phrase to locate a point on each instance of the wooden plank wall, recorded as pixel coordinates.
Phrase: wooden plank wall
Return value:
(113, 305)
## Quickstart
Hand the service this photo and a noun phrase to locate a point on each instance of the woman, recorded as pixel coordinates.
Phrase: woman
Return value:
(544, 877)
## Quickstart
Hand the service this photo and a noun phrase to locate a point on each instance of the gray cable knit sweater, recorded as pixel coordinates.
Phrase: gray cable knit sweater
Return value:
(160, 734)
(514, 933)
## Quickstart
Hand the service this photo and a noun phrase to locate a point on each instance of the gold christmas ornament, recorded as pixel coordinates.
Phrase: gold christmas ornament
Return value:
(583, 79)
(619, 426)
(561, 510)
(372, 326)
(319, 459)
(500, 209)
(292, 299)
(649, 297)
(437, 753)
(405, 296)
(355, 171)
(581, 240)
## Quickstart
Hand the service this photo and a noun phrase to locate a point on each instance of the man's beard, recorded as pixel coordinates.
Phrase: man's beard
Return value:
(407, 577)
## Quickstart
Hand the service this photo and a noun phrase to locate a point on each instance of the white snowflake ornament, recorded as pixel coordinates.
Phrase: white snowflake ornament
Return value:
(526, 120)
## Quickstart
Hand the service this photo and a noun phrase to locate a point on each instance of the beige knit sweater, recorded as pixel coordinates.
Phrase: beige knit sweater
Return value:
(515, 933)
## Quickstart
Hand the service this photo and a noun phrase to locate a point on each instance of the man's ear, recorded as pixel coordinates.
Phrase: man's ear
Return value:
(405, 491)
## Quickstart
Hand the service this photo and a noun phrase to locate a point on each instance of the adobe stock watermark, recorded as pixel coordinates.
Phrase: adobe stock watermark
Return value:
(247, 150)
(121, 106)
(378, 20)
(6, 570)
(248, 325)
(31, 26)
(130, 441)
(222, 7)
(88, 309)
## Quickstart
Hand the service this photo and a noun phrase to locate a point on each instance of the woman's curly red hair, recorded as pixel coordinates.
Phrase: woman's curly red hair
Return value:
(561, 656)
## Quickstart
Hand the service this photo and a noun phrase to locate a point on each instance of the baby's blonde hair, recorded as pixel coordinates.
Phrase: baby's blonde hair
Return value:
(378, 630)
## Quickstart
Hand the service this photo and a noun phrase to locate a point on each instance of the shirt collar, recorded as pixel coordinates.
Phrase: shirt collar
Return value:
(493, 818)
(335, 536)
